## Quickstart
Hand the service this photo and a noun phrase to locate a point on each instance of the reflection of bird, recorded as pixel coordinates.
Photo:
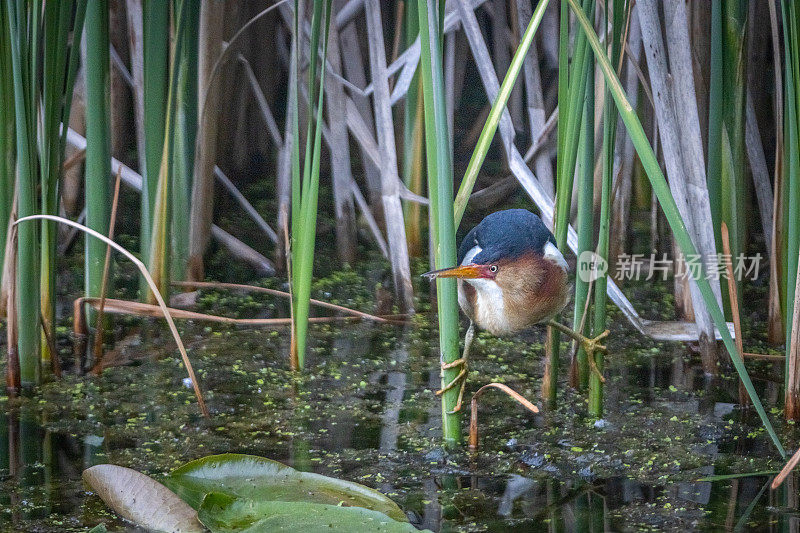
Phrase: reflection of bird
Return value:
(510, 276)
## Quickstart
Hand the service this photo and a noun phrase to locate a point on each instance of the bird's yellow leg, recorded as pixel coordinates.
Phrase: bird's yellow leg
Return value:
(590, 346)
(461, 378)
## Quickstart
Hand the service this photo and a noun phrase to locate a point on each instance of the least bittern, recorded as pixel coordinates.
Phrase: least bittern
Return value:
(510, 276)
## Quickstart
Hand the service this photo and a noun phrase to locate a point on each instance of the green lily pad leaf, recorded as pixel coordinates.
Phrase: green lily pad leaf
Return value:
(261, 479)
(141, 499)
(225, 514)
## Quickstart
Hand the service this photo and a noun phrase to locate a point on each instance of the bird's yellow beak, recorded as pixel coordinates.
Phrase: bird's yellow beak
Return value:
(461, 271)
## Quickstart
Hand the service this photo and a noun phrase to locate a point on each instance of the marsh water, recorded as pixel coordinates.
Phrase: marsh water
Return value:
(365, 411)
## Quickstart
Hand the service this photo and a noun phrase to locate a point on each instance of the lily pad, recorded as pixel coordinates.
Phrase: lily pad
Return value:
(141, 499)
(264, 480)
(224, 514)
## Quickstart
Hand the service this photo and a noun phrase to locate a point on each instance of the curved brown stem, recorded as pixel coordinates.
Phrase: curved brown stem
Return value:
(786, 470)
(473, 419)
(283, 294)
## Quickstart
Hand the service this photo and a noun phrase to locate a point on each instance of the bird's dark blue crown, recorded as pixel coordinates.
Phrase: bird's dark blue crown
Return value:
(506, 235)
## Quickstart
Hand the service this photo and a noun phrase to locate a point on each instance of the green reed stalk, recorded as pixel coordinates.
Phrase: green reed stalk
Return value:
(496, 111)
(57, 82)
(670, 209)
(98, 141)
(293, 113)
(6, 128)
(734, 79)
(412, 141)
(585, 220)
(23, 36)
(55, 28)
(791, 221)
(715, 121)
(39, 65)
(159, 257)
(618, 19)
(305, 195)
(299, 10)
(570, 109)
(156, 31)
(440, 192)
(185, 136)
(561, 215)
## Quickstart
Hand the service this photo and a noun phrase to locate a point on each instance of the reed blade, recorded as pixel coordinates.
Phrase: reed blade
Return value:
(440, 192)
(305, 192)
(21, 32)
(98, 141)
(156, 31)
(618, 23)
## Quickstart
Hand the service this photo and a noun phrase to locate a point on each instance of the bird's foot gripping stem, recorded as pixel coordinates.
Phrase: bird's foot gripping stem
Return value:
(590, 346)
(593, 346)
(459, 381)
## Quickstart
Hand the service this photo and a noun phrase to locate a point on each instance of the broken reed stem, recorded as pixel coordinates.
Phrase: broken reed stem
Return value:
(786, 470)
(128, 307)
(282, 294)
(98, 332)
(734, 300)
(473, 418)
(765, 356)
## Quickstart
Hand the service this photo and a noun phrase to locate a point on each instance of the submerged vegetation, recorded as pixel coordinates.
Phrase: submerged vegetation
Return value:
(296, 165)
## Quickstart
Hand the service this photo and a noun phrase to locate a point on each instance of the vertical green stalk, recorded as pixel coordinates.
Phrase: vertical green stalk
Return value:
(791, 221)
(440, 192)
(185, 135)
(98, 141)
(21, 34)
(6, 127)
(619, 9)
(561, 214)
(715, 110)
(585, 221)
(294, 116)
(38, 67)
(570, 108)
(734, 81)
(159, 257)
(57, 81)
(305, 194)
(156, 31)
(49, 142)
(299, 10)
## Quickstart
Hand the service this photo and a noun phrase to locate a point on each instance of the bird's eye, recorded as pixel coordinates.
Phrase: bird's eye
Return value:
(493, 269)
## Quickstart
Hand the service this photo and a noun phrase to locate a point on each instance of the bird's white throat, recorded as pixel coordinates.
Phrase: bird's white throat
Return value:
(489, 310)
